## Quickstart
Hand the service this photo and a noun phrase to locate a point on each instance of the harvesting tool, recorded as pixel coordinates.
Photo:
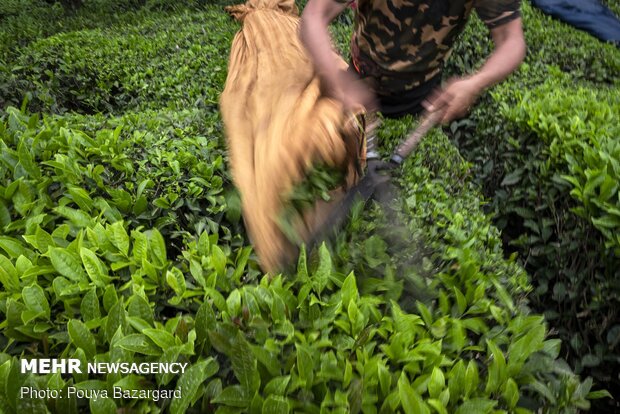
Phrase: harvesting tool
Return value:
(377, 181)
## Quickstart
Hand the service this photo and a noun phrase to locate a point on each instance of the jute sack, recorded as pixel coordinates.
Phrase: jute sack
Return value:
(278, 125)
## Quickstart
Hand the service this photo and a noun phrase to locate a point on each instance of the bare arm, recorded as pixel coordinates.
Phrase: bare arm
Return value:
(506, 57)
(459, 94)
(314, 33)
(337, 83)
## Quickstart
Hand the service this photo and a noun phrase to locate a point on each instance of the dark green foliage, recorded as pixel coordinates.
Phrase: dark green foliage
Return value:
(88, 71)
(121, 241)
(579, 137)
(67, 4)
(94, 282)
(26, 20)
(535, 143)
(614, 6)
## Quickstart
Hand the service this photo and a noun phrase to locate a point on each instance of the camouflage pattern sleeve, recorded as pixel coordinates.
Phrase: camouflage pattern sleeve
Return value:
(495, 13)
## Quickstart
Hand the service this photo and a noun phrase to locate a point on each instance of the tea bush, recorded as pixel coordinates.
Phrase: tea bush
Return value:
(149, 65)
(578, 125)
(534, 143)
(121, 241)
(85, 278)
(578, 129)
(24, 21)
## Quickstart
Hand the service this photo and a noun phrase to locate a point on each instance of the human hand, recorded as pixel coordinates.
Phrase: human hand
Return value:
(354, 93)
(454, 99)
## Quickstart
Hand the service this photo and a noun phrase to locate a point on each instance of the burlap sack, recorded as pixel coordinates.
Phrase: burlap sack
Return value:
(278, 124)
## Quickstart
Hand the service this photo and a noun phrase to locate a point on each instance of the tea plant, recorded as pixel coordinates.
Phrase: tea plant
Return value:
(121, 240)
(87, 281)
(531, 141)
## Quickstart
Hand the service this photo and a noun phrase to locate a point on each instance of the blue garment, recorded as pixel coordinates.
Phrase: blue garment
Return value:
(588, 15)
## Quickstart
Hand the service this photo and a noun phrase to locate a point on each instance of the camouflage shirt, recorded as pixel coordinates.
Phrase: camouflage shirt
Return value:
(403, 43)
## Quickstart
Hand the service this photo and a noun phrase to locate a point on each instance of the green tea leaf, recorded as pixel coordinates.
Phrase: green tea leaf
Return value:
(8, 275)
(512, 178)
(162, 338)
(138, 343)
(305, 365)
(436, 383)
(233, 396)
(529, 343)
(110, 298)
(456, 381)
(189, 384)
(12, 247)
(497, 367)
(197, 272)
(176, 280)
(205, 321)
(276, 404)
(157, 247)
(511, 393)
(80, 197)
(27, 161)
(82, 337)
(471, 378)
(43, 240)
(349, 290)
(460, 300)
(140, 246)
(476, 405)
(218, 258)
(590, 360)
(204, 245)
(77, 217)
(67, 264)
(410, 400)
(385, 379)
(244, 364)
(425, 313)
(139, 307)
(35, 300)
(116, 319)
(437, 406)
(277, 385)
(323, 272)
(594, 395)
(233, 302)
(94, 268)
(118, 236)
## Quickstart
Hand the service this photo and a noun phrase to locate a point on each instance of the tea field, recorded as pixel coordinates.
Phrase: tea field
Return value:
(121, 239)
